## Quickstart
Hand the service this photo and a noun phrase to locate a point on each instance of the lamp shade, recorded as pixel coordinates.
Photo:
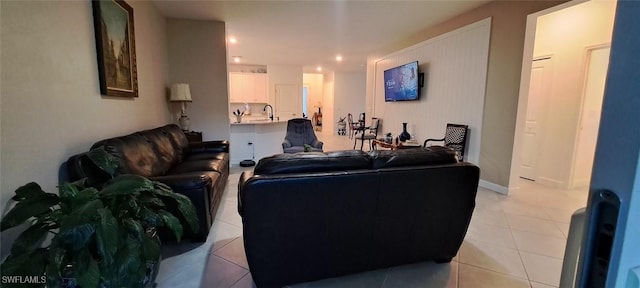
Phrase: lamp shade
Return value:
(180, 93)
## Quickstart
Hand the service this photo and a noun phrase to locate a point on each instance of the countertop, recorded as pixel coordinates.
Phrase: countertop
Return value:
(257, 122)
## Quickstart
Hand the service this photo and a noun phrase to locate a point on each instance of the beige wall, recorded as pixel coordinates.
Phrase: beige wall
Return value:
(197, 56)
(566, 35)
(503, 77)
(51, 102)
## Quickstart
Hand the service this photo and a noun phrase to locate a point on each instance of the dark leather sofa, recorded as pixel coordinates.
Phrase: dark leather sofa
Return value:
(309, 216)
(163, 154)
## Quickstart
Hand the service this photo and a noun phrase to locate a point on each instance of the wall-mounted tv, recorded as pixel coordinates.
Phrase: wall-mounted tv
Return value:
(401, 83)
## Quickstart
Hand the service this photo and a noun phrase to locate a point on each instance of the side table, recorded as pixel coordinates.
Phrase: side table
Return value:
(400, 145)
(193, 137)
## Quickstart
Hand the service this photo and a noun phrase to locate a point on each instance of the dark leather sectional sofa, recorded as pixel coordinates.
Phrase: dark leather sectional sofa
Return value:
(163, 154)
(308, 216)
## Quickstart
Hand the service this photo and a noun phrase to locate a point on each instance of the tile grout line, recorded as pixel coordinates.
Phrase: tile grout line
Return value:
(487, 269)
(231, 263)
(386, 275)
(234, 283)
(458, 274)
(519, 254)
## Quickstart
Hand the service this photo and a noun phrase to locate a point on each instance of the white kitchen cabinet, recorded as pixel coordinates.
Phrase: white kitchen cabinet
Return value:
(248, 87)
(236, 87)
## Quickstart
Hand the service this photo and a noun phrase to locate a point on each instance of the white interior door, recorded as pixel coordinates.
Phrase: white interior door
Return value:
(538, 93)
(596, 75)
(288, 100)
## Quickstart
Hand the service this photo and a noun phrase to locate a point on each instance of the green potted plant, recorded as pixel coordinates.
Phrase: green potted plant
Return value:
(100, 236)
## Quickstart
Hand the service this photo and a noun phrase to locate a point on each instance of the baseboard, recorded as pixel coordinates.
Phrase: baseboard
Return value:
(552, 182)
(494, 187)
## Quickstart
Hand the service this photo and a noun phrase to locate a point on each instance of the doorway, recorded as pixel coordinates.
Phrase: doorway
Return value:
(593, 94)
(539, 87)
(554, 130)
(305, 100)
(288, 101)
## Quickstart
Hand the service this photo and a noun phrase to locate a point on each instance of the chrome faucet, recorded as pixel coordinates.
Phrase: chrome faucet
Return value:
(270, 114)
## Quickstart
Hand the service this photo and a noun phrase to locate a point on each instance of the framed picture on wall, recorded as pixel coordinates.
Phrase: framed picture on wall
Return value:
(116, 49)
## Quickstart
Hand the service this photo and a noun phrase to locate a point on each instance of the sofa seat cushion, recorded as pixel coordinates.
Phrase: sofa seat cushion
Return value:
(411, 157)
(306, 162)
(189, 180)
(216, 165)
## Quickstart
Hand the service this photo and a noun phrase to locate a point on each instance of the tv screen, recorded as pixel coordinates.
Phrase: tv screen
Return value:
(401, 83)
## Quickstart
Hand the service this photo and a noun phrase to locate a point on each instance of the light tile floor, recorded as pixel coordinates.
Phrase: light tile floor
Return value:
(512, 241)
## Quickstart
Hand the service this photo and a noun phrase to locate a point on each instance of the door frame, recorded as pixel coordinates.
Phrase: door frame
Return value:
(585, 73)
(523, 98)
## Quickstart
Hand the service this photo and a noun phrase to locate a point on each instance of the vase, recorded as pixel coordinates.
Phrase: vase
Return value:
(404, 136)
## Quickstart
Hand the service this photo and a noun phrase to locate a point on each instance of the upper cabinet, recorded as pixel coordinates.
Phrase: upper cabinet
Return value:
(248, 87)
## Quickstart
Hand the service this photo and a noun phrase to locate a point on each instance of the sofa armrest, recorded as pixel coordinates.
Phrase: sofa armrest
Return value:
(210, 146)
(286, 143)
(243, 178)
(197, 187)
(80, 166)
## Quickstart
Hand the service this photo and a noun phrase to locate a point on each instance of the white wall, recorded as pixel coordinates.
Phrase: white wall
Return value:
(565, 35)
(328, 99)
(455, 67)
(350, 95)
(314, 82)
(284, 75)
(197, 56)
(51, 102)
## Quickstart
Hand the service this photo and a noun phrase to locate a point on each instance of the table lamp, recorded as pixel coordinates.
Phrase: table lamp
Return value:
(180, 93)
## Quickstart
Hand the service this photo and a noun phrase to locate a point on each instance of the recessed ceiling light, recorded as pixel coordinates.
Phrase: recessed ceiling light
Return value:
(236, 59)
(319, 69)
(233, 39)
(339, 58)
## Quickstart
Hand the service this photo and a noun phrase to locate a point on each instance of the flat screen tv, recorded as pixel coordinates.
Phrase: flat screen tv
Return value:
(401, 83)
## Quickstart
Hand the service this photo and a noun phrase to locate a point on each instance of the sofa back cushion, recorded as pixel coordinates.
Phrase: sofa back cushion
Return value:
(178, 140)
(134, 153)
(305, 162)
(411, 157)
(148, 153)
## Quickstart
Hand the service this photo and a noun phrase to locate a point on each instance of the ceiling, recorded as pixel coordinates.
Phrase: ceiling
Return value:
(313, 33)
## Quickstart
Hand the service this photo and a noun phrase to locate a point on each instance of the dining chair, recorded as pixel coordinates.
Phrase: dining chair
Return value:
(368, 133)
